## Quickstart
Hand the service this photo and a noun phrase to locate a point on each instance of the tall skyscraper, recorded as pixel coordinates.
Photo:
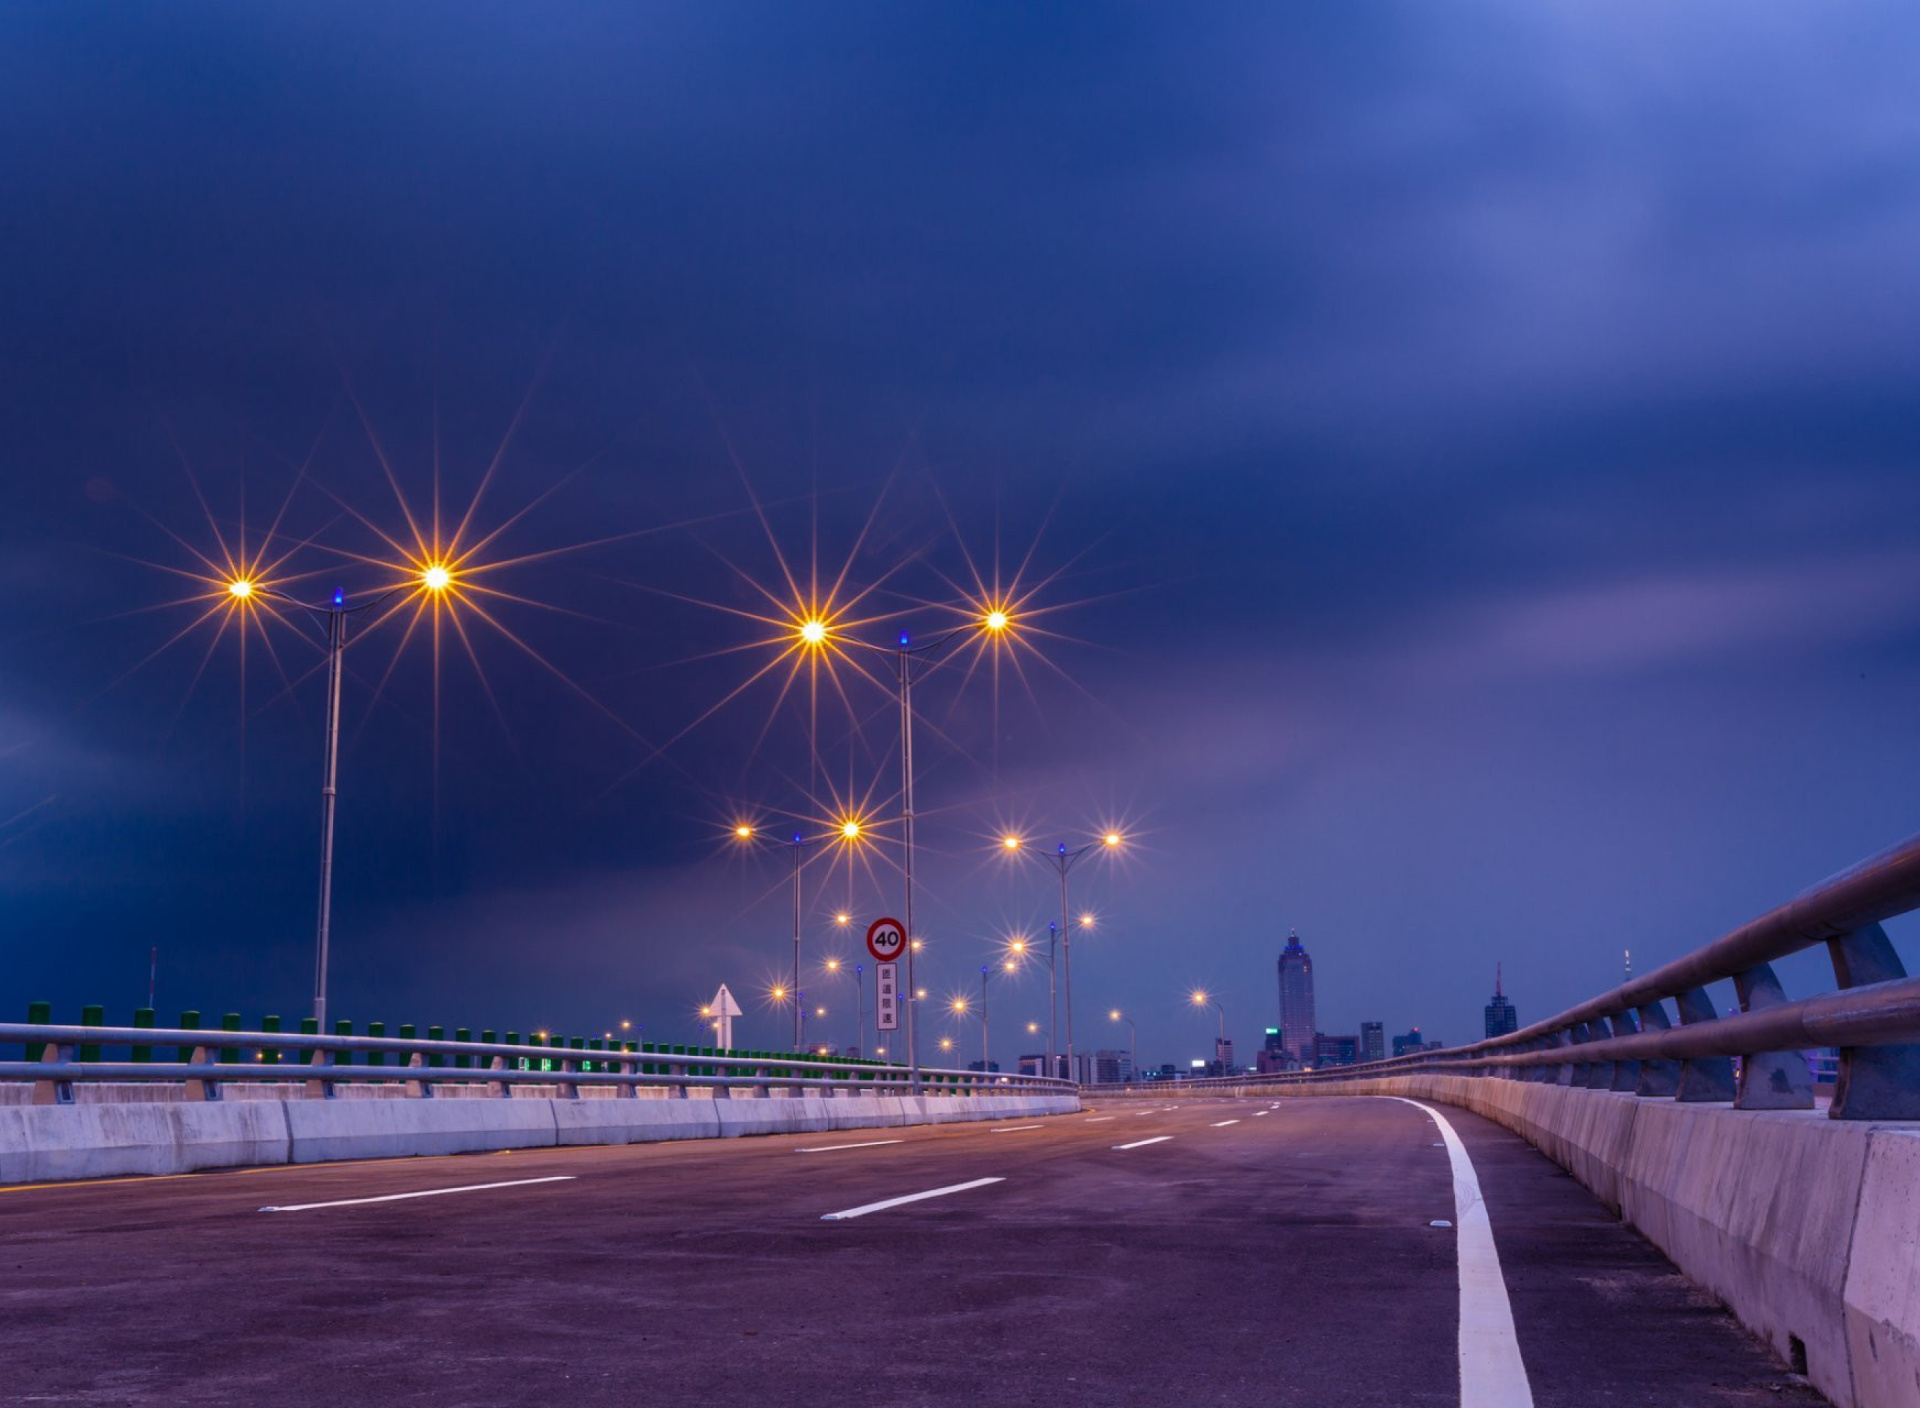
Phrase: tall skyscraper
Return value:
(1373, 1041)
(1501, 1016)
(1297, 1032)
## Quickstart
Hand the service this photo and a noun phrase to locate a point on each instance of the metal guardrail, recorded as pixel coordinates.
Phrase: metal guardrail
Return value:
(1626, 1040)
(496, 1067)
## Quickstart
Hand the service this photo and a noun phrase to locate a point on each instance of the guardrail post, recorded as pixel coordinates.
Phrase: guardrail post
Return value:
(143, 1017)
(189, 1022)
(1626, 1074)
(39, 1014)
(1875, 1082)
(1769, 1080)
(1709, 1079)
(420, 1089)
(376, 1058)
(54, 1090)
(1657, 1078)
(92, 1015)
(270, 1057)
(676, 1091)
(201, 1089)
(1599, 1073)
(230, 1055)
(1563, 1074)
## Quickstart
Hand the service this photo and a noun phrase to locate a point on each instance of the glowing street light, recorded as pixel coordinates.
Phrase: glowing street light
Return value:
(849, 830)
(1062, 860)
(1201, 999)
(436, 577)
(240, 589)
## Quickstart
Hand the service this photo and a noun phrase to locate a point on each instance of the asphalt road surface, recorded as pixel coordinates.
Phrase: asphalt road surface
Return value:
(1248, 1254)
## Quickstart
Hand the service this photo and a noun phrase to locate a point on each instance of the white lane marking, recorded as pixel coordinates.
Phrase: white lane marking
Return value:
(1010, 1128)
(1222, 1124)
(423, 1193)
(866, 1208)
(1100, 1119)
(1492, 1373)
(1142, 1143)
(1146, 1112)
(863, 1144)
(1258, 1113)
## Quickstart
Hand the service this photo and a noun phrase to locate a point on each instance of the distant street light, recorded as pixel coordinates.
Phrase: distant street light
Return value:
(1063, 860)
(850, 829)
(1200, 998)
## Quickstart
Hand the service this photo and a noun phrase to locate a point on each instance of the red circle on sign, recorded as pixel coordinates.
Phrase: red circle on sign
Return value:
(885, 939)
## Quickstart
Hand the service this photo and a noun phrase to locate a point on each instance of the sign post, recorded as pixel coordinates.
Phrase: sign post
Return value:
(886, 941)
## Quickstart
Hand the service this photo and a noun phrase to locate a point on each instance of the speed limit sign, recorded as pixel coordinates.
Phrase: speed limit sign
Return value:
(885, 939)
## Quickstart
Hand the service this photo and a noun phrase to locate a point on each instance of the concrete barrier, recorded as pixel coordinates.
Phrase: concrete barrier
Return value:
(1807, 1228)
(325, 1130)
(55, 1142)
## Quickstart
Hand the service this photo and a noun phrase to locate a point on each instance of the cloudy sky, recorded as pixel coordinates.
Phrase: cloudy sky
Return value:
(1460, 468)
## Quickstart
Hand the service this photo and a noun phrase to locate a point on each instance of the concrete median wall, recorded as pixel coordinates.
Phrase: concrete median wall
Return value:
(1808, 1228)
(48, 1143)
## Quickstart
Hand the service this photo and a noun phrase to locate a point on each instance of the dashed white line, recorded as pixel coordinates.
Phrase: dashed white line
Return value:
(1100, 1119)
(1142, 1143)
(423, 1193)
(863, 1144)
(882, 1206)
(1011, 1128)
(1222, 1124)
(1258, 1113)
(1146, 1112)
(1492, 1373)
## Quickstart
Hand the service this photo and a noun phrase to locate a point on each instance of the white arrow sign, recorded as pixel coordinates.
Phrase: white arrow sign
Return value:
(721, 1012)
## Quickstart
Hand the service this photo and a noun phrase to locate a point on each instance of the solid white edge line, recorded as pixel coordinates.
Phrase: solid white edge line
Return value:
(1010, 1128)
(864, 1144)
(423, 1193)
(866, 1208)
(1492, 1372)
(1222, 1124)
(1097, 1119)
(1142, 1143)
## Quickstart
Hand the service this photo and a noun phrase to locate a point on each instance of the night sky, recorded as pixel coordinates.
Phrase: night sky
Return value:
(1460, 467)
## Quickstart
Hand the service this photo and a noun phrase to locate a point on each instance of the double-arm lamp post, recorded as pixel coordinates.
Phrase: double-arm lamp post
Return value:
(434, 580)
(1062, 860)
(817, 632)
(848, 831)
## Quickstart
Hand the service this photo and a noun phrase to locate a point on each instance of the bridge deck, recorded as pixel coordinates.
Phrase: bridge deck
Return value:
(1286, 1258)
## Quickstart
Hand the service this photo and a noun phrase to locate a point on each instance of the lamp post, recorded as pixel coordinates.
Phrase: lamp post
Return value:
(1201, 999)
(1133, 1040)
(849, 831)
(816, 632)
(1020, 948)
(1063, 860)
(433, 579)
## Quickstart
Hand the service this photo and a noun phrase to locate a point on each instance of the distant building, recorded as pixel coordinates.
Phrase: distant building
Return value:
(1112, 1067)
(1501, 1016)
(1412, 1042)
(1296, 1001)
(1222, 1057)
(1373, 1041)
(1272, 1055)
(986, 1068)
(1167, 1071)
(1335, 1050)
(1034, 1065)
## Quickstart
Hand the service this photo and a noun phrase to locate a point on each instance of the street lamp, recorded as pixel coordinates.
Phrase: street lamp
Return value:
(434, 580)
(1133, 1040)
(1063, 860)
(815, 632)
(1199, 998)
(848, 831)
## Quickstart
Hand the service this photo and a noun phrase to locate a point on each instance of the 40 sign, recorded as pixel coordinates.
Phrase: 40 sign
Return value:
(886, 939)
